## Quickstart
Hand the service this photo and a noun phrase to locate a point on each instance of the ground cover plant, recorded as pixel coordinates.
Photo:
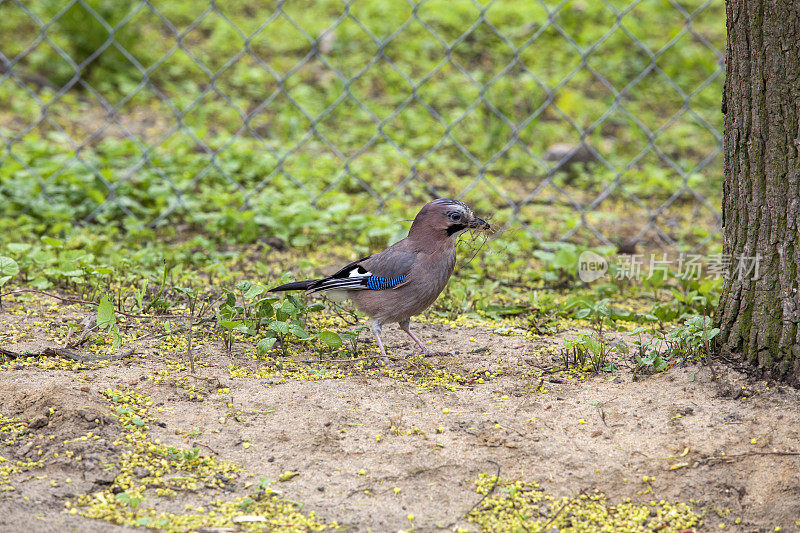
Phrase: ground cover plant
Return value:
(150, 380)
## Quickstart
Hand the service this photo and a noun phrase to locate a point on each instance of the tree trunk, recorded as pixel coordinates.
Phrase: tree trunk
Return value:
(759, 312)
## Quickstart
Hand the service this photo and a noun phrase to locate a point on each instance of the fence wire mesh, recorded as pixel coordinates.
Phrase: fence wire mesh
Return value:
(588, 120)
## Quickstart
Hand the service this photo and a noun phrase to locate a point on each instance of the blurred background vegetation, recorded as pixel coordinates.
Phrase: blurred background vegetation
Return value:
(327, 120)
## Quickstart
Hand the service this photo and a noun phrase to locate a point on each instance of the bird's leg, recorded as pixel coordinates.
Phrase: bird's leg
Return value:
(376, 330)
(405, 325)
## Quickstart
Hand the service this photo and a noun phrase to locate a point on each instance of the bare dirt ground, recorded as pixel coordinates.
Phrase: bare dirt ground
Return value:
(373, 451)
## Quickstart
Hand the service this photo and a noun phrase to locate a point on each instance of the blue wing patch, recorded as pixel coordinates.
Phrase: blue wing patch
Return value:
(379, 283)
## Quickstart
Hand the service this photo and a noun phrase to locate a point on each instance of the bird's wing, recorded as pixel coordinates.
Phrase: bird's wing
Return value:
(385, 270)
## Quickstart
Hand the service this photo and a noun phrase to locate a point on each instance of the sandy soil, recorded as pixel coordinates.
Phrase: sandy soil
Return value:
(355, 440)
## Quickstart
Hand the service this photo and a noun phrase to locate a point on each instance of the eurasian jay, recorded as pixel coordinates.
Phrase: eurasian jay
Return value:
(406, 278)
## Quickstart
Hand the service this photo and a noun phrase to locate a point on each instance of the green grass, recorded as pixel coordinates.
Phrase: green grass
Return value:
(451, 135)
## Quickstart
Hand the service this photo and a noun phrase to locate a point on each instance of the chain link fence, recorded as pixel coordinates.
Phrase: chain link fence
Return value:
(586, 120)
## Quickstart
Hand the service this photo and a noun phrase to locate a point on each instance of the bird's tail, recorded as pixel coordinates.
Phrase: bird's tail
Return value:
(295, 286)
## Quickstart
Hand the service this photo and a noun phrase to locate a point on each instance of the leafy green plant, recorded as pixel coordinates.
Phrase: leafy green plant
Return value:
(82, 33)
(684, 295)
(690, 341)
(694, 337)
(648, 354)
(697, 295)
(497, 312)
(188, 455)
(8, 269)
(330, 338)
(352, 337)
(588, 353)
(661, 312)
(139, 296)
(191, 296)
(469, 293)
(560, 261)
(158, 303)
(131, 499)
(600, 313)
(107, 320)
(541, 313)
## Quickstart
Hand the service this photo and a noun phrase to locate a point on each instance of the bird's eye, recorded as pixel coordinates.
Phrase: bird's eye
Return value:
(455, 217)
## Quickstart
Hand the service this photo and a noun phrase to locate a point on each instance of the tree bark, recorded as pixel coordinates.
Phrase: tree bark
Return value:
(759, 315)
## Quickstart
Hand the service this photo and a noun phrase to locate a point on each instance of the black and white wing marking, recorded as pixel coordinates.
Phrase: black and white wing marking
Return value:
(356, 277)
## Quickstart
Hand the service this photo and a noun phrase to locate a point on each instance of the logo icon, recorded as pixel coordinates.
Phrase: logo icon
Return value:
(591, 266)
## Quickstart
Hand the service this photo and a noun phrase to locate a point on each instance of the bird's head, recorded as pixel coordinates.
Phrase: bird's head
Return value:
(445, 218)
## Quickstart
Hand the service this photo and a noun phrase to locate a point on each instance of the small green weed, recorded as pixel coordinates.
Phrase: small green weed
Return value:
(8, 269)
(588, 353)
(688, 342)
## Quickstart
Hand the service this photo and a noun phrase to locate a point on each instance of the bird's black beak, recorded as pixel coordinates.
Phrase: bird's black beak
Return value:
(479, 223)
